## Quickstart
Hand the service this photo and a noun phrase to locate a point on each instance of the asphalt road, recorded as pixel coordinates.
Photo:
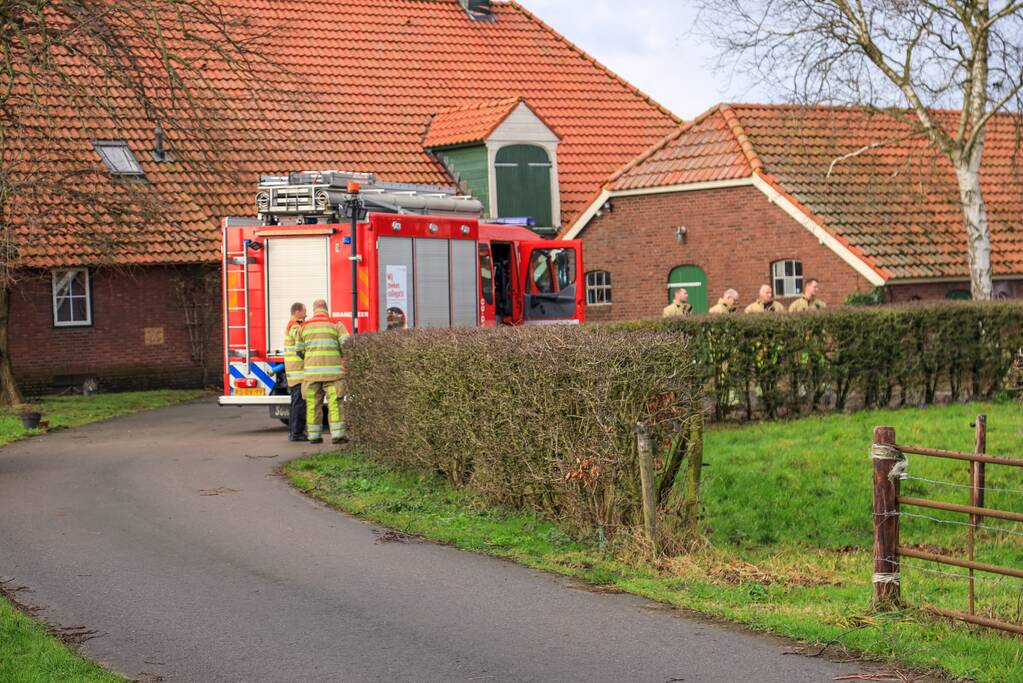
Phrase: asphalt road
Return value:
(169, 535)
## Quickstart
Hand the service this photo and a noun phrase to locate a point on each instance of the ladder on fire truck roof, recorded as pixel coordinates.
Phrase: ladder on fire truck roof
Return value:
(317, 196)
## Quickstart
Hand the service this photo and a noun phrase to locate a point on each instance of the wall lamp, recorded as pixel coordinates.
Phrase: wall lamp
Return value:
(681, 232)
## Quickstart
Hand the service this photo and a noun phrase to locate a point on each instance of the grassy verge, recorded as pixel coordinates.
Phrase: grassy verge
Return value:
(28, 653)
(74, 411)
(789, 533)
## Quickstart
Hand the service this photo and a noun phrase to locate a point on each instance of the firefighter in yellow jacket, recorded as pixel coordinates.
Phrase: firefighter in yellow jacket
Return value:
(809, 300)
(320, 340)
(293, 368)
(679, 306)
(765, 302)
(727, 304)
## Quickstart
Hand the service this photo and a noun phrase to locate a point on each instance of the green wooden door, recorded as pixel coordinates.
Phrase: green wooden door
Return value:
(694, 280)
(523, 174)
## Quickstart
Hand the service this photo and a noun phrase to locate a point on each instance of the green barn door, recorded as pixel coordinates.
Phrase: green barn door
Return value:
(523, 174)
(694, 280)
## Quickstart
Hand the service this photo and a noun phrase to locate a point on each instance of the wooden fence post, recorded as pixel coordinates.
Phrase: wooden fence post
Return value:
(980, 446)
(695, 473)
(886, 519)
(646, 475)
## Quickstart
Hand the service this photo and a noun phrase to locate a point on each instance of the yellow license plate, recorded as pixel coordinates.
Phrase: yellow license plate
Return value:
(239, 391)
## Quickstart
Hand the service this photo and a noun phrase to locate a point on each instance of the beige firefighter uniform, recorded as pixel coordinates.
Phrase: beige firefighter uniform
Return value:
(293, 364)
(320, 340)
(674, 310)
(803, 304)
(722, 308)
(759, 307)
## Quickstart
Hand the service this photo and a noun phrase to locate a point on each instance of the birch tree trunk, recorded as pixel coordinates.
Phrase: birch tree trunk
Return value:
(978, 234)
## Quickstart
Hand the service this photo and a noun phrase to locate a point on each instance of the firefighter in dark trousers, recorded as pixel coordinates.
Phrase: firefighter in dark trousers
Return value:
(294, 369)
(320, 340)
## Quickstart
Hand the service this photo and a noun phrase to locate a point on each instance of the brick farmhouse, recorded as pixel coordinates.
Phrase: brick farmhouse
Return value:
(485, 96)
(746, 195)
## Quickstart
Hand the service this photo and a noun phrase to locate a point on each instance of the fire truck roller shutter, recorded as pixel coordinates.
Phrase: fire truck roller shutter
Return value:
(395, 280)
(433, 283)
(298, 269)
(465, 282)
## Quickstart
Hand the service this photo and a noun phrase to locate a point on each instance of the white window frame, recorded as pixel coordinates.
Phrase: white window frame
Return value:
(108, 151)
(59, 273)
(601, 288)
(792, 285)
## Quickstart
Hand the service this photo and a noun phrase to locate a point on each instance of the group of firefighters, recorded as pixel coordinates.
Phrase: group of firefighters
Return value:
(765, 303)
(315, 372)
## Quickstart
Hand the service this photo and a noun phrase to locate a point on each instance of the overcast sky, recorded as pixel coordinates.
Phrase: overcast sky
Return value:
(650, 43)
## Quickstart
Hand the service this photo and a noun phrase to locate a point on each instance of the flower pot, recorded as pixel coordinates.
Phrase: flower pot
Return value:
(31, 420)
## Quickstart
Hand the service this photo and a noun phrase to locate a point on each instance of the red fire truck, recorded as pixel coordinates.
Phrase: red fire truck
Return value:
(422, 259)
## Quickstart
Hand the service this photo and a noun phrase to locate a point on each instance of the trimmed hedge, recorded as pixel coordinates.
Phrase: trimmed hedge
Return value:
(773, 365)
(537, 418)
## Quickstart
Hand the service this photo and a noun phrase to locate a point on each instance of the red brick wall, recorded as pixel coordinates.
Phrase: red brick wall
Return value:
(125, 304)
(734, 234)
(1011, 289)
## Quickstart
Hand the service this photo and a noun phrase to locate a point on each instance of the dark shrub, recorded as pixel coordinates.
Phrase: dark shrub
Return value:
(771, 365)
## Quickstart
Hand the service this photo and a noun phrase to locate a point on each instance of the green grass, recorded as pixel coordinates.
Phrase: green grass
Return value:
(74, 411)
(28, 654)
(789, 530)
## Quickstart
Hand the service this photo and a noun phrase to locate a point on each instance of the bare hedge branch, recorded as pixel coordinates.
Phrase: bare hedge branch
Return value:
(537, 418)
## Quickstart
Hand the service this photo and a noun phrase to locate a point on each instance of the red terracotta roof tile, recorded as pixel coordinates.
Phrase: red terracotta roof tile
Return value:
(471, 123)
(864, 176)
(353, 100)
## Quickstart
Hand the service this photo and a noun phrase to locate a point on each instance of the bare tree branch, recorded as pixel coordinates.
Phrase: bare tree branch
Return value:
(75, 69)
(923, 56)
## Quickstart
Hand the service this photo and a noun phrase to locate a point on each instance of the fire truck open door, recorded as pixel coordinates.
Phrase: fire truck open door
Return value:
(551, 272)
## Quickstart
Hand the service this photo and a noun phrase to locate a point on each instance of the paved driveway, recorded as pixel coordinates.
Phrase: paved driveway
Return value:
(169, 534)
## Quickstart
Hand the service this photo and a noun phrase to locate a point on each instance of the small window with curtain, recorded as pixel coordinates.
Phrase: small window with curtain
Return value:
(787, 277)
(72, 302)
(598, 288)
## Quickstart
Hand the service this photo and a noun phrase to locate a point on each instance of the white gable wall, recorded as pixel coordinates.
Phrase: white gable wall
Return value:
(523, 127)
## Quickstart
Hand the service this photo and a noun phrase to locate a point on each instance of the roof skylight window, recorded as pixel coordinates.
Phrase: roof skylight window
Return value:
(119, 159)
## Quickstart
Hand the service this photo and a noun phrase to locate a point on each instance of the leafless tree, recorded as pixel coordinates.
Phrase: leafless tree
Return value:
(908, 57)
(68, 63)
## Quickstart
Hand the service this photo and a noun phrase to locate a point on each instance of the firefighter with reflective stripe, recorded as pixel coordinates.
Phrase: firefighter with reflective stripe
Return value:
(293, 368)
(320, 340)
